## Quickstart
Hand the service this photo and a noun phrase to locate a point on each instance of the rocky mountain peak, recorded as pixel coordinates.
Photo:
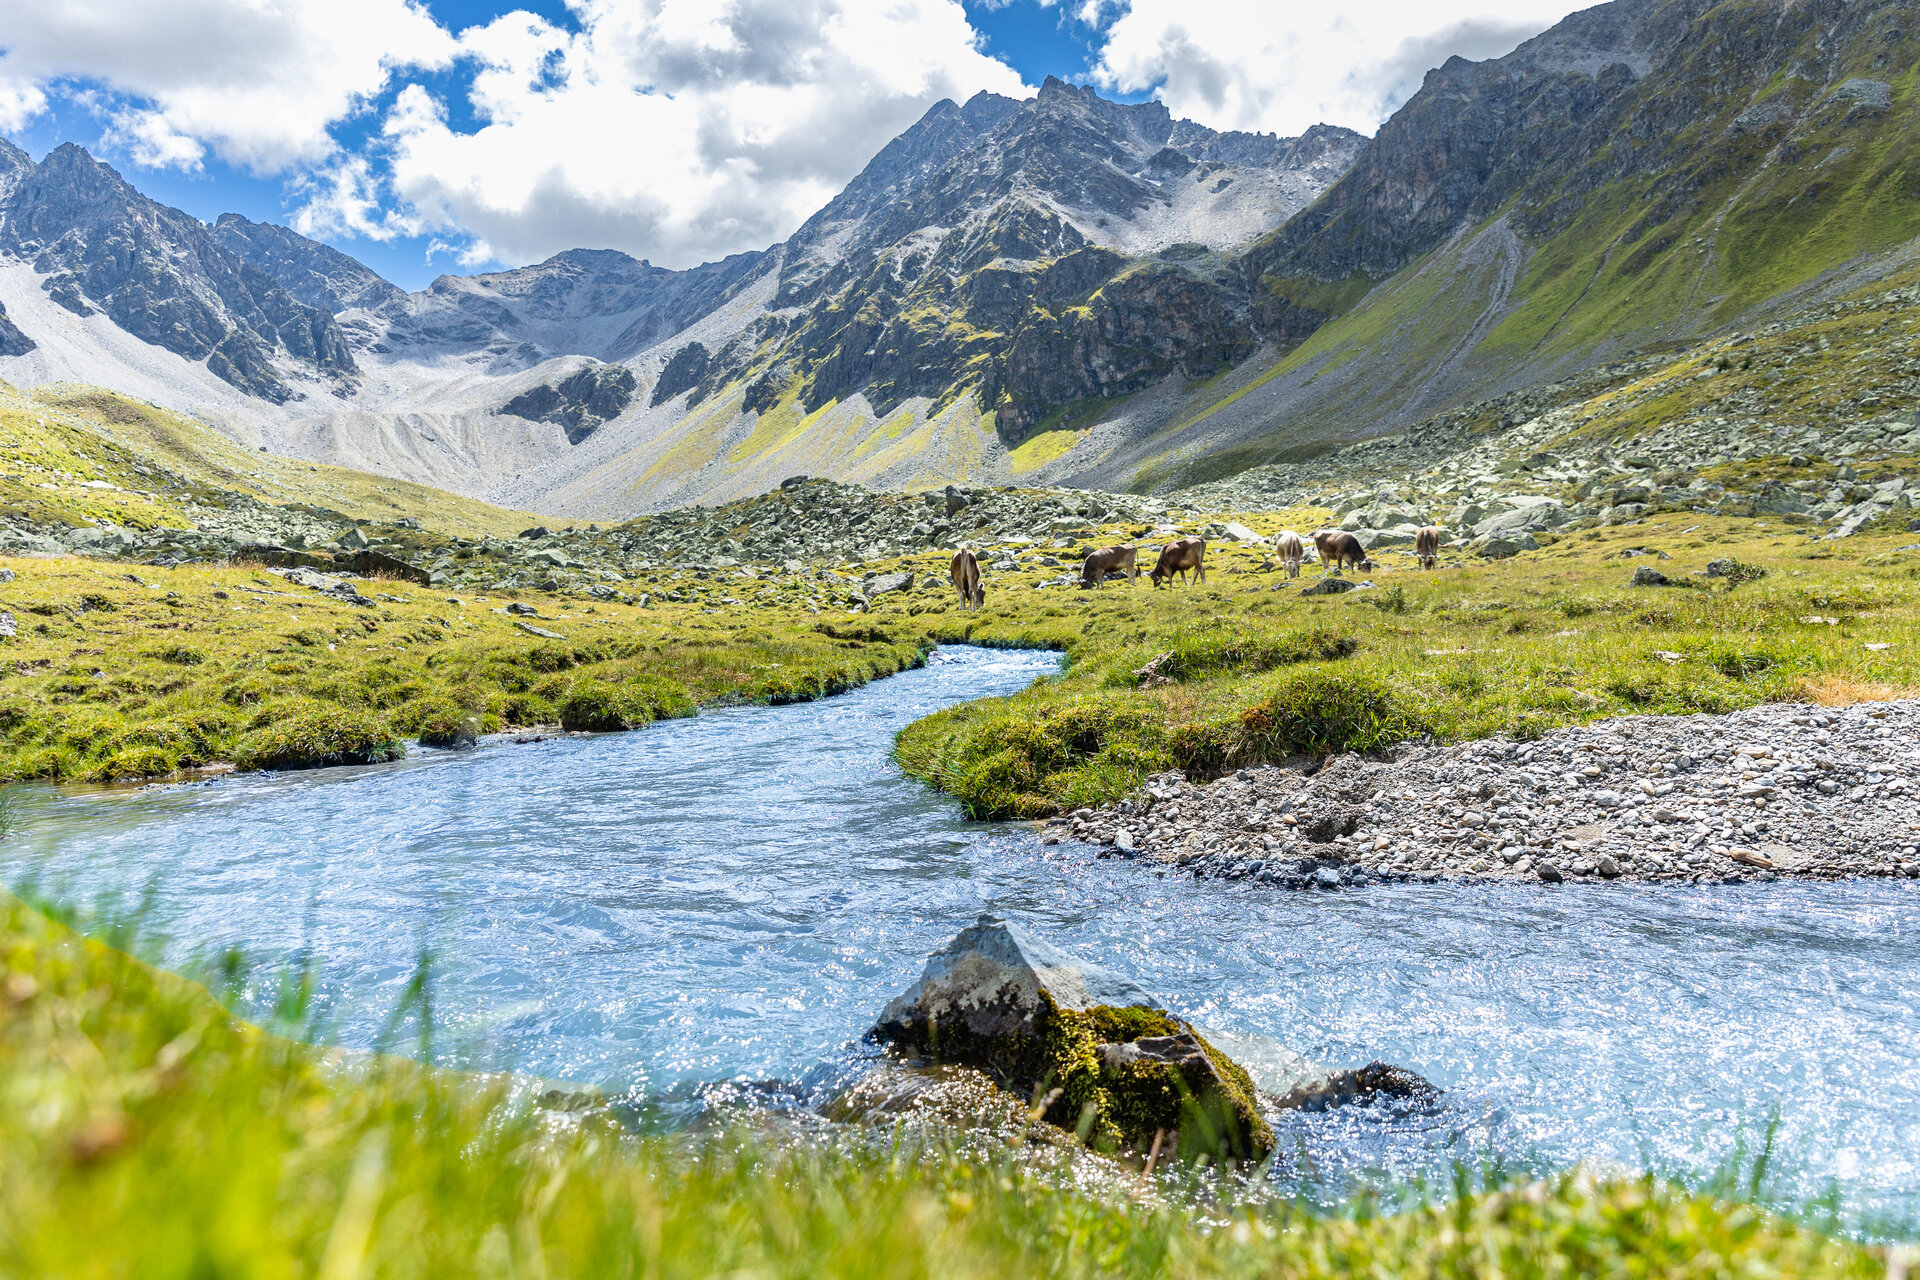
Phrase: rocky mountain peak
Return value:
(100, 245)
(318, 275)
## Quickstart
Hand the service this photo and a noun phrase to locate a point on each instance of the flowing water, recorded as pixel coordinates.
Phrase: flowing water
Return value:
(735, 896)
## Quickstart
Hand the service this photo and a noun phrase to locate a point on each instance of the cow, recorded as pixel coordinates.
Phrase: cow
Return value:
(1178, 557)
(1426, 546)
(1287, 545)
(965, 572)
(1098, 564)
(1338, 549)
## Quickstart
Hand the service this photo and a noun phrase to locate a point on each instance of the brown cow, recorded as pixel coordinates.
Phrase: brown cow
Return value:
(1426, 546)
(1178, 557)
(1338, 549)
(965, 573)
(1287, 545)
(1098, 564)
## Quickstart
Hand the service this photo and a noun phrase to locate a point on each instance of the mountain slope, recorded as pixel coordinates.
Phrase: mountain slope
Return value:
(1647, 173)
(99, 245)
(1061, 289)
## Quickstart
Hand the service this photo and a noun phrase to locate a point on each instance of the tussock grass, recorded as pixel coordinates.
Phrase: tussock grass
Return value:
(117, 675)
(147, 1132)
(1549, 638)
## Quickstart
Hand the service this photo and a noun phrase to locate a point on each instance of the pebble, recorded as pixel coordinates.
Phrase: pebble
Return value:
(1812, 793)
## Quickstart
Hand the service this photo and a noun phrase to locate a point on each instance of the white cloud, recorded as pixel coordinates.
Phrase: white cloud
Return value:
(1257, 65)
(681, 130)
(258, 81)
(20, 101)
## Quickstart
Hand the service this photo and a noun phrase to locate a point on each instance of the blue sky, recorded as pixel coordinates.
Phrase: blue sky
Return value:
(461, 136)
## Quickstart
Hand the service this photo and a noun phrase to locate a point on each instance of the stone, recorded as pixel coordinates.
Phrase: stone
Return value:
(1329, 585)
(1547, 871)
(1607, 867)
(885, 583)
(1327, 878)
(520, 609)
(1648, 576)
(542, 632)
(1123, 841)
(1376, 1080)
(353, 539)
(8, 628)
(1499, 546)
(1000, 998)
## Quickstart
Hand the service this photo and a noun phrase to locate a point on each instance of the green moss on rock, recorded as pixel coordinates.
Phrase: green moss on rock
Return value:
(1117, 1075)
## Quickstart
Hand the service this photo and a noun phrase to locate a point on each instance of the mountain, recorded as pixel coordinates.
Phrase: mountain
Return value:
(99, 245)
(1031, 254)
(1061, 289)
(1645, 174)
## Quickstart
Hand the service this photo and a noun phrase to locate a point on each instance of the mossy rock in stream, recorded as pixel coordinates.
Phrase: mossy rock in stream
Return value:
(1092, 1049)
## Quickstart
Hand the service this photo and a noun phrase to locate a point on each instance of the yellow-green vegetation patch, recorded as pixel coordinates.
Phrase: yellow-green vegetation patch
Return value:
(1037, 451)
(114, 675)
(1246, 671)
(61, 446)
(148, 1132)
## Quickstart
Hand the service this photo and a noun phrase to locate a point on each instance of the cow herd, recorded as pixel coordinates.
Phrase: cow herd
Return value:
(1336, 548)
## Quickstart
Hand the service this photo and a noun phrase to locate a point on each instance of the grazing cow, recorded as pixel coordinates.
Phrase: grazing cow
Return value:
(1180, 556)
(1287, 545)
(1338, 549)
(1098, 564)
(1426, 546)
(965, 572)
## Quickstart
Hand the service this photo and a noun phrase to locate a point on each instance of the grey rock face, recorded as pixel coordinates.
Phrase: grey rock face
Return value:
(581, 402)
(12, 341)
(990, 980)
(320, 276)
(162, 276)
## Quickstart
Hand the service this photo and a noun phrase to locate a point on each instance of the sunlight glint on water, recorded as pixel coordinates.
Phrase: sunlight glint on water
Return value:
(735, 897)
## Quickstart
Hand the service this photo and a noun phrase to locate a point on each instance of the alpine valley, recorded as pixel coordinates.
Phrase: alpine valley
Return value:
(1060, 291)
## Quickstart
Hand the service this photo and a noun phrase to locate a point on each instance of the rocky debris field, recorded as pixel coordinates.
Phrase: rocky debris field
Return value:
(1785, 790)
(1497, 472)
(796, 528)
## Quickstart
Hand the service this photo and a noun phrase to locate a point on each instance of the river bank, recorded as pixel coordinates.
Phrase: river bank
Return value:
(1786, 790)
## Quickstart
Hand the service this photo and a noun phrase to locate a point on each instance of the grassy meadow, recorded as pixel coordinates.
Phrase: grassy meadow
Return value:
(120, 672)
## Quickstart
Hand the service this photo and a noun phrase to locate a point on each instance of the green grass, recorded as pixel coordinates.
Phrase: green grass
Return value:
(111, 679)
(1242, 673)
(147, 1132)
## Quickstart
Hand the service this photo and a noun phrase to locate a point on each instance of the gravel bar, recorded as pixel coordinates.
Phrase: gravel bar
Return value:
(1785, 790)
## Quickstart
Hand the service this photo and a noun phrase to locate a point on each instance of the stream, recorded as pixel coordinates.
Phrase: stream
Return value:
(735, 896)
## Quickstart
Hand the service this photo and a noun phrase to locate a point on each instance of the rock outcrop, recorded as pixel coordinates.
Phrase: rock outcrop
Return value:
(580, 402)
(1098, 1055)
(12, 341)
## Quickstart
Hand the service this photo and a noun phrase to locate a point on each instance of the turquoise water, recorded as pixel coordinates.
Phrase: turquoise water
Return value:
(734, 897)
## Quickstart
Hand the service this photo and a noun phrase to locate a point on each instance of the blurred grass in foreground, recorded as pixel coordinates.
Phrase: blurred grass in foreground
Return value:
(144, 1131)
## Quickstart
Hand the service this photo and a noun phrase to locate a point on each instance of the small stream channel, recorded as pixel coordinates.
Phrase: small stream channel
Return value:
(735, 896)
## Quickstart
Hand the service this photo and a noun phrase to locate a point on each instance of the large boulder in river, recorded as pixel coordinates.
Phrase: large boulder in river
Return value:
(1092, 1048)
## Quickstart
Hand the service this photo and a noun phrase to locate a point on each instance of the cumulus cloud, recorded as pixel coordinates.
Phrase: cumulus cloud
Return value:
(679, 129)
(1255, 65)
(261, 82)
